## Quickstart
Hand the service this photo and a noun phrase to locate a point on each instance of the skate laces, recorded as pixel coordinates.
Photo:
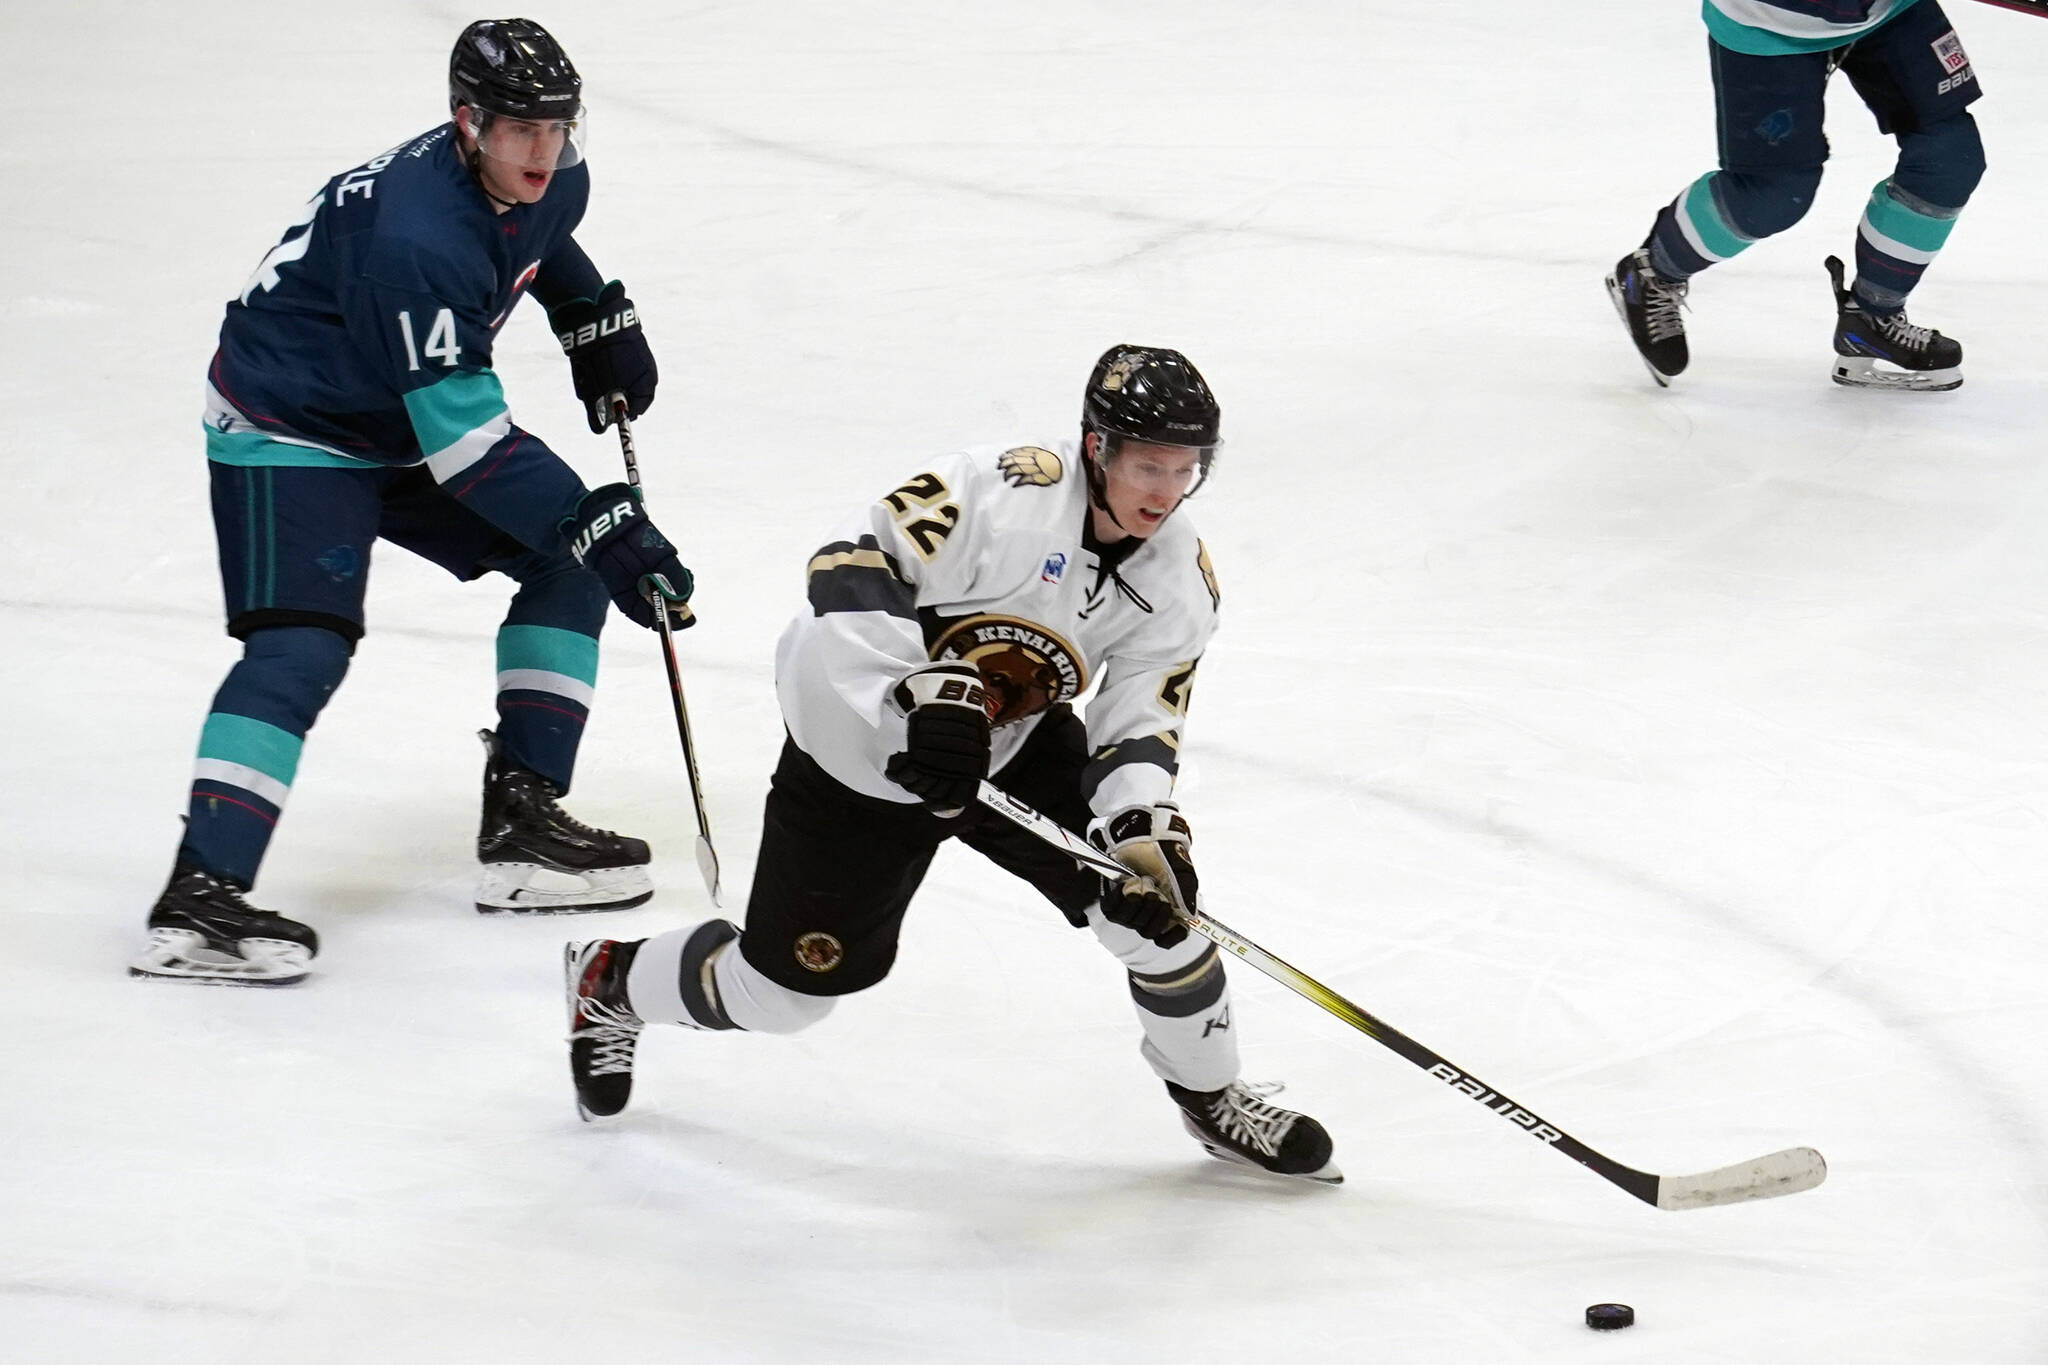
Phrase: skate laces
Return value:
(1241, 1114)
(611, 1033)
(1662, 299)
(212, 889)
(1904, 333)
(536, 788)
(611, 1030)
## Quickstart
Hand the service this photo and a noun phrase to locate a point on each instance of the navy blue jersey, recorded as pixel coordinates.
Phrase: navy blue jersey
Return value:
(365, 335)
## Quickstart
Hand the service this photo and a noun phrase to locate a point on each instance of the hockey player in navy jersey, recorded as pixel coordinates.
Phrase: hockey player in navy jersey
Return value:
(352, 399)
(948, 629)
(1771, 61)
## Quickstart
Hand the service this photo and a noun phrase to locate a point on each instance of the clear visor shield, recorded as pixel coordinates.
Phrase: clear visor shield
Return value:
(527, 144)
(1167, 472)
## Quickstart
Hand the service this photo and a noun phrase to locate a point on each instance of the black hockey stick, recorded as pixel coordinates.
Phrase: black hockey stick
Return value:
(1786, 1172)
(707, 856)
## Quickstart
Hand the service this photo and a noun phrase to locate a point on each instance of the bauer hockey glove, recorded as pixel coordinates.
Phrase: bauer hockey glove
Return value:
(1154, 842)
(611, 536)
(608, 353)
(945, 754)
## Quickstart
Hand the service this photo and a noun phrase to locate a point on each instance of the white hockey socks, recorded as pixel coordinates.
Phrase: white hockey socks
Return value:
(1183, 1004)
(698, 978)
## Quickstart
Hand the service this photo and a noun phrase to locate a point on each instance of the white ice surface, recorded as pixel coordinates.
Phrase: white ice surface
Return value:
(1672, 760)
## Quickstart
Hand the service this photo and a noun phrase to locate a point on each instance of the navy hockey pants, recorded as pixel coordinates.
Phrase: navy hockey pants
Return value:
(1913, 76)
(295, 557)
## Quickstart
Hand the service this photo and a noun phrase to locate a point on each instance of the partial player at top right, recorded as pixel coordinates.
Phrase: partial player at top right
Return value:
(1771, 60)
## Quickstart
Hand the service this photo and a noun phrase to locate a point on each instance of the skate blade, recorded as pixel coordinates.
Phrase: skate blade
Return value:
(1328, 1174)
(180, 955)
(212, 978)
(1614, 295)
(531, 889)
(1868, 372)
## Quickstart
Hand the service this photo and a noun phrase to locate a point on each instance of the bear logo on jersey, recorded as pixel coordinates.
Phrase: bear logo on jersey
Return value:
(1030, 466)
(1024, 667)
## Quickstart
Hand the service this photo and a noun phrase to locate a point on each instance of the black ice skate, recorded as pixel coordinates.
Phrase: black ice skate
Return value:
(603, 1030)
(202, 930)
(538, 860)
(1649, 304)
(1236, 1124)
(1884, 351)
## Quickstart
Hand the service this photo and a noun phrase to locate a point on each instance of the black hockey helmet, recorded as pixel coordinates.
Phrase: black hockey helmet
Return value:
(1149, 393)
(513, 67)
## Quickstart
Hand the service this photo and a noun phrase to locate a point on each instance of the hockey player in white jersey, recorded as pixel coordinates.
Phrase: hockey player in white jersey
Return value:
(949, 628)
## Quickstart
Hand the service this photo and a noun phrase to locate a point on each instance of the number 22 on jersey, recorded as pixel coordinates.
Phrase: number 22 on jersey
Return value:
(926, 530)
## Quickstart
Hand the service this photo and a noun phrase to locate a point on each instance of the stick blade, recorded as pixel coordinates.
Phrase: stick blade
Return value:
(707, 866)
(1767, 1177)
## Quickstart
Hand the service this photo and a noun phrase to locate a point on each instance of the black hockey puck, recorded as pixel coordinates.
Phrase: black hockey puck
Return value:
(1610, 1317)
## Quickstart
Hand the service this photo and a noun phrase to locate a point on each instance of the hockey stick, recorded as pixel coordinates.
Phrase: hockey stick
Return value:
(1786, 1172)
(707, 856)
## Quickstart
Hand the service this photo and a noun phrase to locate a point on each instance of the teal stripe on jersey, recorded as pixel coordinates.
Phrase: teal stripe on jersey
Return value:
(1717, 236)
(448, 410)
(550, 650)
(1921, 231)
(1757, 40)
(254, 449)
(251, 743)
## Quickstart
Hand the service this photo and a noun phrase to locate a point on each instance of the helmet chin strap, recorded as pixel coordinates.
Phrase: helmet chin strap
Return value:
(1098, 480)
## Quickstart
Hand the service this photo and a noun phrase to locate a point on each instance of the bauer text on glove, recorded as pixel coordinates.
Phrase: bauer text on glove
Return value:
(611, 536)
(945, 753)
(608, 353)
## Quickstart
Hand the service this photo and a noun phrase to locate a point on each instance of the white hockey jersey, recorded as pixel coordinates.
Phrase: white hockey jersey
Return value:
(986, 557)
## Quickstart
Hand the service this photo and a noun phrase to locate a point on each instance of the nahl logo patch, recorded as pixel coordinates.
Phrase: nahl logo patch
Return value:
(1030, 467)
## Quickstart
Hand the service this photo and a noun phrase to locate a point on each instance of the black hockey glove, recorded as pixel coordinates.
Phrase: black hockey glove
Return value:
(611, 536)
(607, 352)
(1154, 842)
(945, 755)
